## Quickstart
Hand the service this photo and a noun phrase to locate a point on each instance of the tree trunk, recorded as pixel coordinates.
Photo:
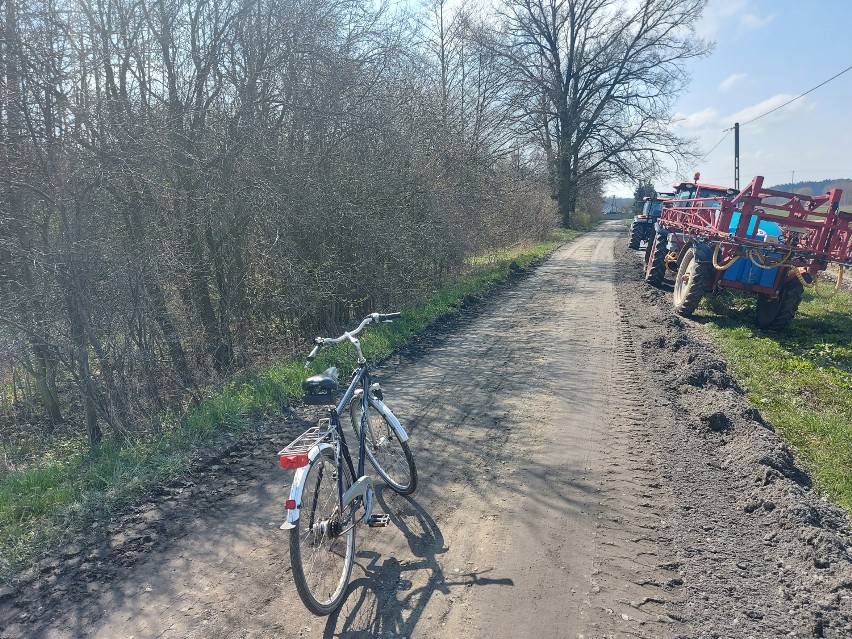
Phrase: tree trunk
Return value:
(163, 319)
(154, 294)
(44, 371)
(93, 429)
(566, 196)
(84, 373)
(214, 343)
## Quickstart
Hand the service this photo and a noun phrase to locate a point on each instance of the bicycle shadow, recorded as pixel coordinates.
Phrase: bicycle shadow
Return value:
(383, 602)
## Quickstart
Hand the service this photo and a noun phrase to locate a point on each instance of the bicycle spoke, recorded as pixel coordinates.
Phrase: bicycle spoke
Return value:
(320, 554)
(389, 456)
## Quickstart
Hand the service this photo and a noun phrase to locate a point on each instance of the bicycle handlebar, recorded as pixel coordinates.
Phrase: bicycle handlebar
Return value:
(372, 318)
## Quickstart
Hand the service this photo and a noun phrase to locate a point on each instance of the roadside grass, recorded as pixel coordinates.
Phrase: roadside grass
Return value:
(71, 487)
(801, 379)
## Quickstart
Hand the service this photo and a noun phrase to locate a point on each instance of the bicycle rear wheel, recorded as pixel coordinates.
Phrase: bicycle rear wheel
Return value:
(391, 457)
(322, 543)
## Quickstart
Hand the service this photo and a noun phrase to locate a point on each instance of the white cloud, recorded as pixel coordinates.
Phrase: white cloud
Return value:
(717, 15)
(698, 119)
(720, 15)
(731, 81)
(751, 22)
(757, 110)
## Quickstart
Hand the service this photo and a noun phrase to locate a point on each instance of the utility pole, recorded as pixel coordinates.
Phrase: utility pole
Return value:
(736, 155)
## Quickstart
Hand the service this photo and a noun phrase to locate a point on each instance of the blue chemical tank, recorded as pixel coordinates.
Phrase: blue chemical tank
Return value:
(746, 271)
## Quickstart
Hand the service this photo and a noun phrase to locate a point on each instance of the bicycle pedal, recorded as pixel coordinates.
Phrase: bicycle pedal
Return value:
(378, 520)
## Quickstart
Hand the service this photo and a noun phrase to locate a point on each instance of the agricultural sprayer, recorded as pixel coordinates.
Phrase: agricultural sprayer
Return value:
(664, 245)
(763, 241)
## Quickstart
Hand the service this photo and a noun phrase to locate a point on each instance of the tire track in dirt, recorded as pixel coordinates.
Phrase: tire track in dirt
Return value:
(561, 352)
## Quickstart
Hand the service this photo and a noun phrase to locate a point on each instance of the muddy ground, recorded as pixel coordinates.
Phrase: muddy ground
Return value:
(588, 468)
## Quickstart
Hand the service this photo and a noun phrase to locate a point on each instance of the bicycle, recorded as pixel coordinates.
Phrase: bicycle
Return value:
(327, 495)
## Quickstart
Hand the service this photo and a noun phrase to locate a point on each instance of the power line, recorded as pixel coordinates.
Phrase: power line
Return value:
(797, 97)
(762, 115)
(728, 132)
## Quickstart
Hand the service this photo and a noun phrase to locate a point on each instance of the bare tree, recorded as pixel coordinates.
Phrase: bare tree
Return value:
(595, 82)
(187, 186)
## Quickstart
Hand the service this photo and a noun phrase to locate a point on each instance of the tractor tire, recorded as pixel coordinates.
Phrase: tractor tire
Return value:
(655, 269)
(775, 314)
(635, 236)
(691, 279)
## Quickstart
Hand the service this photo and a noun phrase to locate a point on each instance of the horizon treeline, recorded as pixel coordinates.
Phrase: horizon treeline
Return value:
(190, 187)
(820, 187)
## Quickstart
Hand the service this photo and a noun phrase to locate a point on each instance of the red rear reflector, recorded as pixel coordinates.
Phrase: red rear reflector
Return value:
(642, 217)
(293, 460)
(291, 504)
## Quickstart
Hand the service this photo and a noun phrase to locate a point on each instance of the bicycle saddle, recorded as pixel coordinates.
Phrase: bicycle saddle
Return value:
(325, 381)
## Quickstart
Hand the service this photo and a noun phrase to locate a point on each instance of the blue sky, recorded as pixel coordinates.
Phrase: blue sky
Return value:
(768, 52)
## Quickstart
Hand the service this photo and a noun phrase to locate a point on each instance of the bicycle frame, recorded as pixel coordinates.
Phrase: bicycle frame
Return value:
(362, 485)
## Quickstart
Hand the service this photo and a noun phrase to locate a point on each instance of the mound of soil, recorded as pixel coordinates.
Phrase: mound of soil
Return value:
(761, 550)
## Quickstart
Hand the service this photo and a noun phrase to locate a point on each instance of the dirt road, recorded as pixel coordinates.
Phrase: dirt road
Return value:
(587, 469)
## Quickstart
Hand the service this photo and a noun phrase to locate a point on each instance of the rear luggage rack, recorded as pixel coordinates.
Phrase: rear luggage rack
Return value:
(295, 454)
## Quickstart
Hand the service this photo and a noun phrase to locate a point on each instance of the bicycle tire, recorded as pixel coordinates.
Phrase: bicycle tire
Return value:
(391, 457)
(320, 555)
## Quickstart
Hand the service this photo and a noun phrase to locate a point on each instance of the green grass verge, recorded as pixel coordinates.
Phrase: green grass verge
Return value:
(801, 379)
(71, 486)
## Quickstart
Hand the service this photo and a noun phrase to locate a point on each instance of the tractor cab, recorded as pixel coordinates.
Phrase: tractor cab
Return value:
(653, 206)
(697, 191)
(642, 227)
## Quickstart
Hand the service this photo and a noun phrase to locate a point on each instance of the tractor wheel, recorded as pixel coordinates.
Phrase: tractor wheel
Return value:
(635, 236)
(655, 269)
(775, 314)
(692, 276)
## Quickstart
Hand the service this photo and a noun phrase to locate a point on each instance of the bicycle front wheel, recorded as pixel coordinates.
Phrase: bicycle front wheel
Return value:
(322, 543)
(391, 457)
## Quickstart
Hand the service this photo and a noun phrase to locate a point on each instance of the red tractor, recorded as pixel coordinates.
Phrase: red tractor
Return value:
(759, 240)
